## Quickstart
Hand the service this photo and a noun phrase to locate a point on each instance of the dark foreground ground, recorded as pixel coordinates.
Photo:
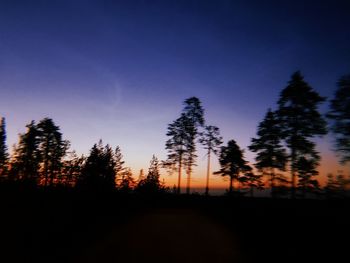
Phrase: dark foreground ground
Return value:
(67, 227)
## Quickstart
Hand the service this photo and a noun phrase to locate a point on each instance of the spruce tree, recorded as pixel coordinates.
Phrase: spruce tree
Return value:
(118, 160)
(108, 164)
(153, 171)
(26, 159)
(92, 170)
(300, 122)
(98, 172)
(151, 184)
(339, 115)
(53, 148)
(271, 156)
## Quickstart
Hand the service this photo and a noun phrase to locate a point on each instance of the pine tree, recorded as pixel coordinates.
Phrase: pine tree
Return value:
(300, 122)
(176, 147)
(26, 159)
(181, 145)
(211, 140)
(3, 149)
(339, 114)
(232, 163)
(194, 118)
(271, 155)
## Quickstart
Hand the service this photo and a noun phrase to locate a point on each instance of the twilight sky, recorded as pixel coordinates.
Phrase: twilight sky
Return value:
(120, 70)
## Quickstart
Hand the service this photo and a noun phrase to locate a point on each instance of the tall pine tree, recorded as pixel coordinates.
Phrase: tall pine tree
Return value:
(176, 147)
(181, 145)
(211, 140)
(194, 114)
(300, 122)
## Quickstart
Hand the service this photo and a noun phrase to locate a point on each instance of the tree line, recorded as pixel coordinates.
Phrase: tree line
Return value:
(284, 141)
(42, 158)
(284, 144)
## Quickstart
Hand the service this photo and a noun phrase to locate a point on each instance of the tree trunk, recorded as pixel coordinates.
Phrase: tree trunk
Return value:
(272, 182)
(46, 162)
(46, 172)
(303, 191)
(188, 187)
(208, 173)
(231, 185)
(52, 174)
(293, 157)
(179, 176)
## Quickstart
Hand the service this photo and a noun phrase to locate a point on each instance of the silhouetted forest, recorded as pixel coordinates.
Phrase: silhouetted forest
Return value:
(58, 206)
(286, 155)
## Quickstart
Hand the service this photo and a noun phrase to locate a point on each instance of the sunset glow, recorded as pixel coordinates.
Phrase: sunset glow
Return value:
(177, 131)
(120, 71)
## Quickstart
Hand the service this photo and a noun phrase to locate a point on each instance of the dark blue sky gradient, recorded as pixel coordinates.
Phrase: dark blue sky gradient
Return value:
(121, 69)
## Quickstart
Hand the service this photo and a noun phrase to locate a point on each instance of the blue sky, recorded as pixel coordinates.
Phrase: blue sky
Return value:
(120, 70)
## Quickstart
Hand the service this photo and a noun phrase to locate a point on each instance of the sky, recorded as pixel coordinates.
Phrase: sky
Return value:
(120, 70)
